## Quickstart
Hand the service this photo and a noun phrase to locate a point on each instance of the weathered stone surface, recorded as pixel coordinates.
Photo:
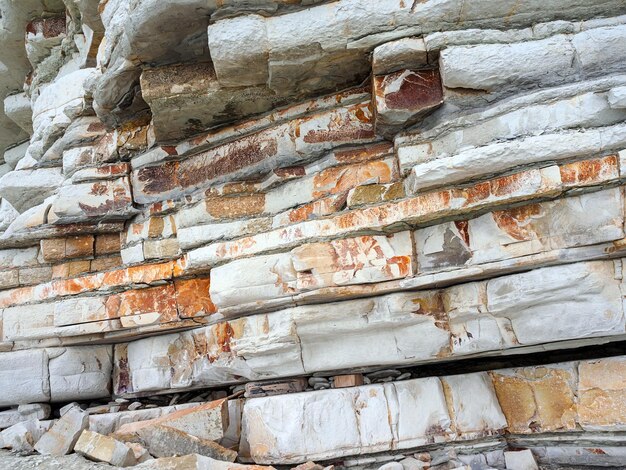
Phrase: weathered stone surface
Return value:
(342, 262)
(55, 108)
(299, 141)
(326, 242)
(521, 460)
(22, 436)
(406, 53)
(602, 402)
(276, 419)
(196, 462)
(526, 230)
(538, 399)
(18, 108)
(101, 448)
(101, 200)
(62, 436)
(617, 97)
(26, 189)
(482, 161)
(80, 373)
(208, 421)
(24, 377)
(546, 111)
(423, 209)
(402, 98)
(164, 441)
(350, 26)
(498, 314)
(35, 411)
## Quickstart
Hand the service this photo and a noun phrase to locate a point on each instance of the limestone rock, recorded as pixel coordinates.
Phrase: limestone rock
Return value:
(26, 189)
(23, 436)
(18, 108)
(402, 98)
(406, 53)
(208, 421)
(617, 97)
(601, 394)
(101, 448)
(520, 460)
(195, 462)
(64, 434)
(8, 214)
(13, 155)
(35, 411)
(163, 441)
(24, 377)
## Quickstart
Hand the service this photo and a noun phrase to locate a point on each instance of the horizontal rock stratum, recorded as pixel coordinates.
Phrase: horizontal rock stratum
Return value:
(238, 234)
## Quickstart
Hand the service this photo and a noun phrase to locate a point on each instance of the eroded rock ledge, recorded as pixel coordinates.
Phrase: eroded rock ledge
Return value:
(267, 232)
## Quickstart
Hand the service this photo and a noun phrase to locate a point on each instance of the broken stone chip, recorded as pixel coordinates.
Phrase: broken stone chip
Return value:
(101, 448)
(207, 421)
(62, 437)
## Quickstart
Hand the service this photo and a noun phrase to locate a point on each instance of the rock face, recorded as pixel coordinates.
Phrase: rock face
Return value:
(391, 232)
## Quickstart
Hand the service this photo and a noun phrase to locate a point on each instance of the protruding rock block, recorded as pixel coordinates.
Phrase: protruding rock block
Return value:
(403, 54)
(425, 414)
(298, 141)
(42, 35)
(18, 108)
(360, 260)
(402, 98)
(25, 189)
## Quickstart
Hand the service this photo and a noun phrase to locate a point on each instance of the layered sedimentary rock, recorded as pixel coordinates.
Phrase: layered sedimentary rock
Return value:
(393, 230)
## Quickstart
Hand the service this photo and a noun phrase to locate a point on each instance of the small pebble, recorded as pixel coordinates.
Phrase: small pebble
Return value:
(317, 380)
(384, 373)
(321, 386)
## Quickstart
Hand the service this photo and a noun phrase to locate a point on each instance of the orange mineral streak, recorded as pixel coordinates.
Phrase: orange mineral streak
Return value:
(145, 274)
(192, 297)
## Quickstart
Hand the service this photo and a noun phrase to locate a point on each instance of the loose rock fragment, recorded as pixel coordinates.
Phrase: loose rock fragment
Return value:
(101, 448)
(62, 436)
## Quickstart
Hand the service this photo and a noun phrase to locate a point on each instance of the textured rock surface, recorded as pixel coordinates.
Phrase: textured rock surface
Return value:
(101, 448)
(363, 234)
